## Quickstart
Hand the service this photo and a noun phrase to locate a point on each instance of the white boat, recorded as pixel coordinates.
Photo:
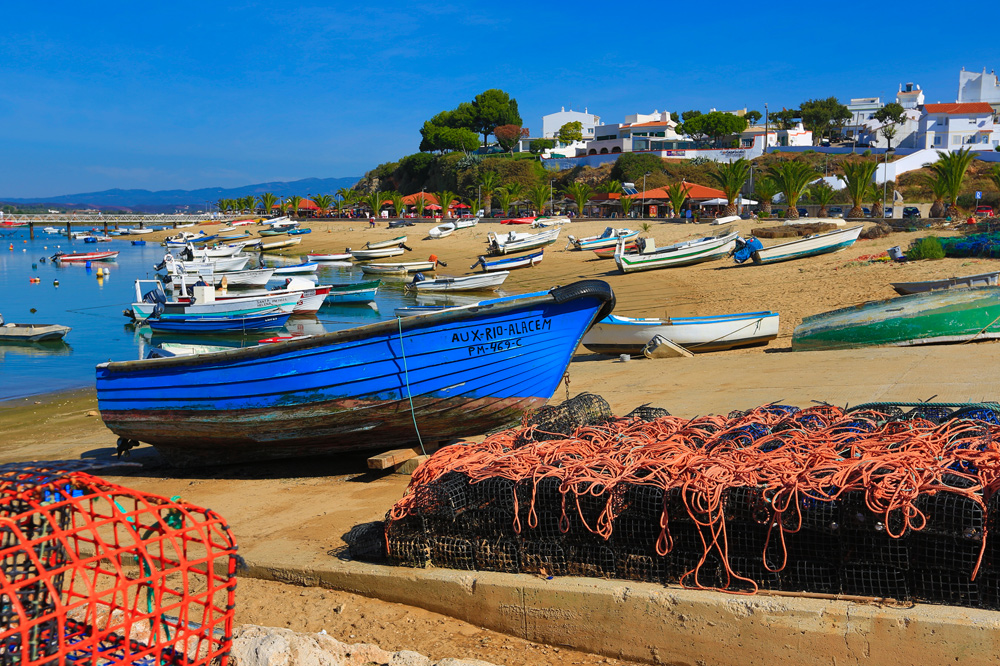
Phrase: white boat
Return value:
(442, 230)
(407, 267)
(728, 219)
(272, 221)
(478, 282)
(256, 277)
(690, 252)
(465, 223)
(151, 297)
(22, 333)
(52, 230)
(216, 265)
(240, 223)
(607, 238)
(514, 241)
(522, 261)
(964, 282)
(139, 232)
(182, 238)
(343, 256)
(277, 245)
(297, 269)
(311, 295)
(550, 221)
(214, 252)
(380, 253)
(810, 246)
(392, 242)
(615, 335)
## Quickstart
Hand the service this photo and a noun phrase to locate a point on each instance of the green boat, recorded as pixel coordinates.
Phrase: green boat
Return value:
(960, 315)
(273, 232)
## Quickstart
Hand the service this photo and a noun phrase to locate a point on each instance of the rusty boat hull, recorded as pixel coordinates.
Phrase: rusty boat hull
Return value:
(447, 374)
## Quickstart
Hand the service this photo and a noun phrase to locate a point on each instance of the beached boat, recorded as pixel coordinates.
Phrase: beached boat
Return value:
(351, 389)
(466, 222)
(810, 246)
(518, 220)
(949, 315)
(609, 252)
(299, 232)
(343, 256)
(278, 245)
(78, 257)
(297, 269)
(151, 299)
(392, 242)
(357, 292)
(226, 239)
(257, 277)
(686, 253)
(965, 282)
(615, 335)
(31, 332)
(477, 282)
(240, 223)
(378, 253)
(442, 230)
(235, 323)
(172, 243)
(137, 231)
(510, 263)
(519, 242)
(267, 233)
(399, 224)
(606, 239)
(550, 221)
(728, 219)
(401, 267)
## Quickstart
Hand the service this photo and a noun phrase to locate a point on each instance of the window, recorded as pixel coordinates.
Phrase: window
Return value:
(937, 141)
(940, 120)
(955, 140)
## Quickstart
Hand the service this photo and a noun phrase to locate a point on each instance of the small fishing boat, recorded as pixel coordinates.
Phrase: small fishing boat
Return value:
(523, 261)
(257, 277)
(686, 253)
(728, 219)
(79, 257)
(477, 282)
(284, 219)
(518, 220)
(466, 222)
(206, 253)
(392, 242)
(151, 299)
(357, 292)
(248, 322)
(344, 256)
(297, 269)
(399, 224)
(519, 242)
(442, 230)
(278, 245)
(609, 252)
(810, 246)
(240, 223)
(226, 239)
(306, 296)
(215, 265)
(52, 230)
(378, 253)
(965, 282)
(299, 232)
(266, 233)
(138, 232)
(550, 221)
(606, 239)
(948, 315)
(350, 389)
(182, 238)
(403, 267)
(31, 332)
(139, 242)
(615, 335)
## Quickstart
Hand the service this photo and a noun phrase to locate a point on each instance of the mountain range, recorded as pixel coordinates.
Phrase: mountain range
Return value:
(169, 200)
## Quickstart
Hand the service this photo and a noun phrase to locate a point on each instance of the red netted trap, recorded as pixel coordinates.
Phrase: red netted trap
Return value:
(95, 573)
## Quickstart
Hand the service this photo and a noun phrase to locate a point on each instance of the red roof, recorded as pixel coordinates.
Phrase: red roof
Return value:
(694, 191)
(649, 124)
(956, 108)
(411, 199)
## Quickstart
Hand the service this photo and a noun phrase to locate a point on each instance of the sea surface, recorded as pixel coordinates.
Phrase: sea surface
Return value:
(92, 304)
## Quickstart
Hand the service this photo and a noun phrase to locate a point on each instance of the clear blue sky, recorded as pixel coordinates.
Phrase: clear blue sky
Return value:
(184, 95)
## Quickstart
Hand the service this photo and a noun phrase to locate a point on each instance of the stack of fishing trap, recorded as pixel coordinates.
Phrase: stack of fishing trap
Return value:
(93, 572)
(883, 501)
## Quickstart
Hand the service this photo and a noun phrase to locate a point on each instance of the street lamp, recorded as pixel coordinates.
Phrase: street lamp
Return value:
(885, 178)
(766, 125)
(552, 199)
(479, 194)
(643, 210)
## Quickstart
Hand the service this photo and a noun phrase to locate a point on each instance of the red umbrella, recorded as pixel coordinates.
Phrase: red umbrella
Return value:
(432, 207)
(460, 205)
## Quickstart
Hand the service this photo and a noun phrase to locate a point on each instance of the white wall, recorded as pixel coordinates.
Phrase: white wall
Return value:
(552, 123)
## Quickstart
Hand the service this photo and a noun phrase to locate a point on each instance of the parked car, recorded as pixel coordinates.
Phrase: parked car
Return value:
(888, 211)
(835, 211)
(867, 211)
(984, 211)
(911, 213)
(803, 212)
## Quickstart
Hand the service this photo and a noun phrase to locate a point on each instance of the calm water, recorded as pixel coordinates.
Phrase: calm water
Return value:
(93, 308)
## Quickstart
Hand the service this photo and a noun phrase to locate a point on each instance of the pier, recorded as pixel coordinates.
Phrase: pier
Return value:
(112, 221)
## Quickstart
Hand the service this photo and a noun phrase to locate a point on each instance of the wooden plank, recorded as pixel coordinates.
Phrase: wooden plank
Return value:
(397, 456)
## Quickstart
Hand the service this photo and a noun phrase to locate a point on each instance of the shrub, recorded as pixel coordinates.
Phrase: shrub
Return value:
(925, 248)
(867, 153)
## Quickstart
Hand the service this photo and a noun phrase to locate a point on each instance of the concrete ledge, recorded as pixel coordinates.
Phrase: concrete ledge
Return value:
(669, 625)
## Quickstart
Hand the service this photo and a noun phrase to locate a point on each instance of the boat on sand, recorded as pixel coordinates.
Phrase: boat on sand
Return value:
(615, 335)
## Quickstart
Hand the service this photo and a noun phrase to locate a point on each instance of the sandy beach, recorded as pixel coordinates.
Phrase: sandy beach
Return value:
(296, 512)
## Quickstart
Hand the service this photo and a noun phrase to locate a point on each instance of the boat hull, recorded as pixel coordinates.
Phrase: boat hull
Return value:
(623, 335)
(954, 315)
(965, 282)
(361, 292)
(378, 253)
(832, 241)
(681, 254)
(196, 324)
(33, 332)
(351, 390)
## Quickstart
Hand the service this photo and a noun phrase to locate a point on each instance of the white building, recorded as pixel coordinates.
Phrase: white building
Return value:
(640, 131)
(958, 125)
(979, 87)
(862, 110)
(796, 136)
(552, 123)
(910, 98)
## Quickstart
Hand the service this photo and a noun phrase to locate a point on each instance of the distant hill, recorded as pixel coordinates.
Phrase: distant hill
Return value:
(168, 200)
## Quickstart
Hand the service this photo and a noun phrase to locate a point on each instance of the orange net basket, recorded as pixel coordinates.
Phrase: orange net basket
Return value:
(92, 572)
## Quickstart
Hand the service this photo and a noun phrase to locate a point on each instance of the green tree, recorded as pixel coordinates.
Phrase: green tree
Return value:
(858, 176)
(445, 198)
(731, 178)
(345, 198)
(753, 117)
(875, 197)
(764, 190)
(580, 193)
(571, 131)
(493, 108)
(822, 194)
(610, 187)
(939, 189)
(792, 179)
(222, 205)
(323, 202)
(715, 126)
(538, 195)
(294, 202)
(539, 146)
(284, 205)
(994, 175)
(374, 201)
(784, 119)
(516, 190)
(420, 204)
(488, 182)
(267, 201)
(398, 207)
(627, 203)
(677, 194)
(507, 136)
(951, 168)
(505, 197)
(630, 167)
(821, 116)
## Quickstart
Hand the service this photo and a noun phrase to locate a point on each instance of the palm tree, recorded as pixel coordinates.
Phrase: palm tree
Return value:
(677, 194)
(792, 178)
(939, 188)
(538, 195)
(222, 205)
(580, 193)
(374, 201)
(951, 168)
(267, 201)
(397, 203)
(445, 199)
(283, 205)
(323, 202)
(627, 203)
(731, 177)
(610, 187)
(421, 204)
(994, 175)
(506, 197)
(875, 196)
(489, 181)
(516, 191)
(822, 194)
(294, 202)
(347, 198)
(247, 203)
(859, 179)
(765, 190)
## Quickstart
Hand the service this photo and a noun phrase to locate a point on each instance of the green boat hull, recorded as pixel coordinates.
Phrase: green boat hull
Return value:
(929, 318)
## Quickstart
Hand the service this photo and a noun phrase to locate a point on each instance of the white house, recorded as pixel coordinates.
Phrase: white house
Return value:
(796, 136)
(552, 123)
(655, 131)
(862, 110)
(958, 125)
(910, 98)
(979, 87)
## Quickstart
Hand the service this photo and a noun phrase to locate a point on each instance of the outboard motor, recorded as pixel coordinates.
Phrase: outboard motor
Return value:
(745, 249)
(419, 277)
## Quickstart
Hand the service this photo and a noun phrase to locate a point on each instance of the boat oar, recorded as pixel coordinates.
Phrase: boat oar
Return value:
(403, 245)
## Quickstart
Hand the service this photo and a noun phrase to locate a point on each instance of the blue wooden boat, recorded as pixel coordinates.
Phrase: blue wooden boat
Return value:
(138, 242)
(454, 373)
(356, 292)
(523, 261)
(200, 324)
(90, 239)
(299, 232)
